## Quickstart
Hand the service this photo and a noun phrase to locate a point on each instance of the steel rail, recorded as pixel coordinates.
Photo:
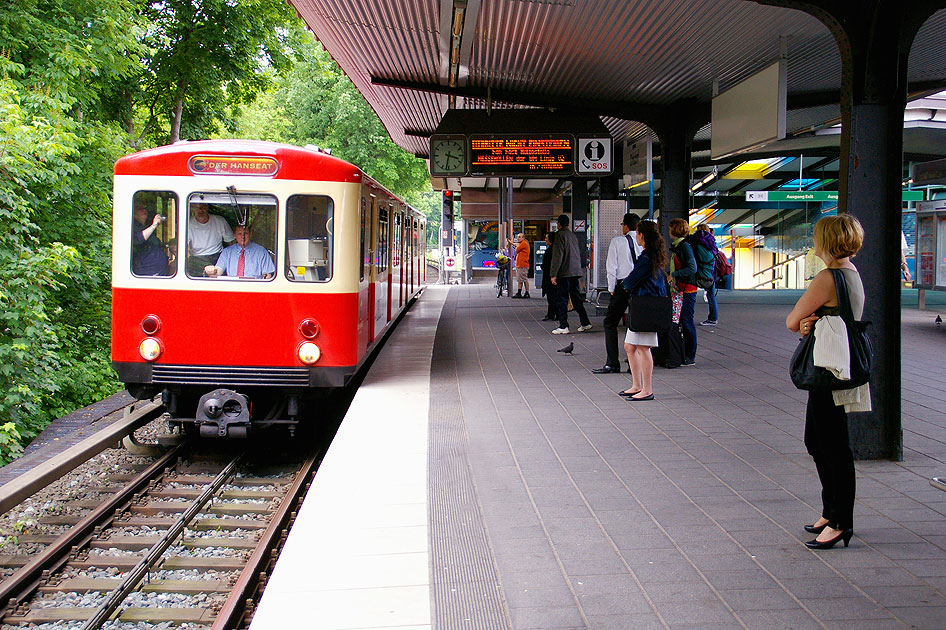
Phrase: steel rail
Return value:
(22, 583)
(134, 577)
(27, 484)
(235, 606)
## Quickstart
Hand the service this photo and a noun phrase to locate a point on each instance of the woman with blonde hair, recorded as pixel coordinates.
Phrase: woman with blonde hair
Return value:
(837, 239)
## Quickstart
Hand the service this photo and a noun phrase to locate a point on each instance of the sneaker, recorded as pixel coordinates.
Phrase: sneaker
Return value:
(527, 296)
(688, 363)
(561, 331)
(707, 322)
(584, 328)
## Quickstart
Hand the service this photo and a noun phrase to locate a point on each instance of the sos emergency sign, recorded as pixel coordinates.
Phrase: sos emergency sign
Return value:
(594, 156)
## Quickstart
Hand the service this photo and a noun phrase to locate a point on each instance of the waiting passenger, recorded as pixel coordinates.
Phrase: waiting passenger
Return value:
(683, 271)
(148, 256)
(206, 234)
(243, 259)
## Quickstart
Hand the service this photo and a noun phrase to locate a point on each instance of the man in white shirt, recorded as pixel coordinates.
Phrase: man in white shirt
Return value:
(206, 234)
(622, 255)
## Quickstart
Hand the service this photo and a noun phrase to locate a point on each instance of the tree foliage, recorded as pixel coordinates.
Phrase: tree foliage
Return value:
(83, 82)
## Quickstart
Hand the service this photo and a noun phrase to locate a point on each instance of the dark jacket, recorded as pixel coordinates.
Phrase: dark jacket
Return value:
(642, 280)
(547, 285)
(566, 255)
(684, 266)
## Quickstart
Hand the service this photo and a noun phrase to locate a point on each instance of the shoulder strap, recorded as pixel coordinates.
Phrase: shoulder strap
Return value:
(844, 300)
(630, 244)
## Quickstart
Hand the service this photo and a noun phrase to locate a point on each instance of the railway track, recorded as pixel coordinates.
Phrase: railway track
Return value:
(187, 539)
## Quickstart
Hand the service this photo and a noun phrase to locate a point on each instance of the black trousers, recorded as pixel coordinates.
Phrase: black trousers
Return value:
(826, 438)
(551, 297)
(616, 309)
(568, 288)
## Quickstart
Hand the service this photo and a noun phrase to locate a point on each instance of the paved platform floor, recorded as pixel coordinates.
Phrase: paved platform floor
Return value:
(684, 512)
(548, 502)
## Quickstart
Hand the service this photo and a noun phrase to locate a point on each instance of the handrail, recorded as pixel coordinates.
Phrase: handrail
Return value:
(776, 265)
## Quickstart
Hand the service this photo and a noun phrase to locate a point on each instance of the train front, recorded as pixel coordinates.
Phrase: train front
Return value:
(229, 293)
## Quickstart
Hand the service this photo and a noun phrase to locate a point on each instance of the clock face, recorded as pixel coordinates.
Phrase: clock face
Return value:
(448, 156)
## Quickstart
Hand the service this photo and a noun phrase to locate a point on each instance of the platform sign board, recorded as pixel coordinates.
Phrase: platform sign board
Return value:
(751, 114)
(928, 173)
(813, 195)
(522, 155)
(594, 156)
(638, 161)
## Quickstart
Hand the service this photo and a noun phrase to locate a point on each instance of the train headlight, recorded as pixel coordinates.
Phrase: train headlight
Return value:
(309, 328)
(151, 324)
(309, 353)
(150, 349)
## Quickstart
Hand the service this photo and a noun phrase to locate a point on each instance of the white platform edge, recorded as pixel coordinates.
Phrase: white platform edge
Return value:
(357, 556)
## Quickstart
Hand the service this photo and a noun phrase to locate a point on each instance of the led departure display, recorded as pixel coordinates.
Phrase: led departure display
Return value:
(523, 155)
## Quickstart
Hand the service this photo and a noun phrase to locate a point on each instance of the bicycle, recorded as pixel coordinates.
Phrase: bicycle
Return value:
(502, 279)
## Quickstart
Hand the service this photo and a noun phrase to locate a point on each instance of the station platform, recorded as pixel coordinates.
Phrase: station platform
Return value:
(483, 480)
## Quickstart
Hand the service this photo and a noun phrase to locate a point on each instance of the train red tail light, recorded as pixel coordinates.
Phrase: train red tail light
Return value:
(309, 328)
(151, 324)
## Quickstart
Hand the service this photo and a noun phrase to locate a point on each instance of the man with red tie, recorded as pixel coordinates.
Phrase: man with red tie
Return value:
(243, 259)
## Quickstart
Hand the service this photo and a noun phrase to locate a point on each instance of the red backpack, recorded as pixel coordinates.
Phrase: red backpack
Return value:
(723, 268)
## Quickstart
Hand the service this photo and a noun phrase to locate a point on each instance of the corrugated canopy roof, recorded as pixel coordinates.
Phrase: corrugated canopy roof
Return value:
(414, 59)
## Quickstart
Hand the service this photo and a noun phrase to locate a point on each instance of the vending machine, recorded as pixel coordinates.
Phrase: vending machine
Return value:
(931, 245)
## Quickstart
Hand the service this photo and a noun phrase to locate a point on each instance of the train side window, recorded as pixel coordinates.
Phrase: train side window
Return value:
(231, 235)
(309, 238)
(153, 230)
(381, 254)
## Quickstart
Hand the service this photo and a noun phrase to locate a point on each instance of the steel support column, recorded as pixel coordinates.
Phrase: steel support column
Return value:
(580, 201)
(676, 131)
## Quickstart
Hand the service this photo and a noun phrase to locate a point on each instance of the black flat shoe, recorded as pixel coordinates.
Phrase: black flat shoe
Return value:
(631, 398)
(811, 529)
(627, 394)
(606, 370)
(844, 535)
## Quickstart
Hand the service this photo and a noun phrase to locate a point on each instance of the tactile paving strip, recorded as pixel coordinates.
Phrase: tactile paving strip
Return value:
(466, 589)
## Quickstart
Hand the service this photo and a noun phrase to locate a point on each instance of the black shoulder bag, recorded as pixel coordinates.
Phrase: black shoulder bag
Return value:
(805, 375)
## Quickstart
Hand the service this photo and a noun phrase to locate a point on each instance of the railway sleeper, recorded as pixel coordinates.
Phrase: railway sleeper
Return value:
(204, 524)
(236, 481)
(135, 543)
(127, 563)
(104, 585)
(149, 615)
(193, 493)
(177, 507)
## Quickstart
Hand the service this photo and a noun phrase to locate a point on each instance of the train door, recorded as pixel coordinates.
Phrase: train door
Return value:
(382, 257)
(365, 288)
(397, 262)
(422, 253)
(411, 232)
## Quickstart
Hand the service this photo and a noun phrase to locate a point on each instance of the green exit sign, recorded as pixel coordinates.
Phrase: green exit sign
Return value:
(813, 195)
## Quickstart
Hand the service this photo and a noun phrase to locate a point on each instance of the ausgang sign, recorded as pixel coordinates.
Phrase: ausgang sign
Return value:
(813, 195)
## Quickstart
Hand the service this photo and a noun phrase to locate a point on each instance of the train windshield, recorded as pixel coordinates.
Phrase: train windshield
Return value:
(153, 225)
(231, 236)
(309, 241)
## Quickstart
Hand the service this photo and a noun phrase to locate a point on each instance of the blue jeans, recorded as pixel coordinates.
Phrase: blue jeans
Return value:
(713, 305)
(688, 326)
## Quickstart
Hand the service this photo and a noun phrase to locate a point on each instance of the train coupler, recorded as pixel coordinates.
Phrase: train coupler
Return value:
(223, 413)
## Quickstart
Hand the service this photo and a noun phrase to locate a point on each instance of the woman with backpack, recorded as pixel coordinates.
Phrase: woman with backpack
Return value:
(708, 241)
(683, 271)
(647, 278)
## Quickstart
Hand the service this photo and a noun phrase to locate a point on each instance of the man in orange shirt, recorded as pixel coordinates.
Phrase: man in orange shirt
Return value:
(522, 264)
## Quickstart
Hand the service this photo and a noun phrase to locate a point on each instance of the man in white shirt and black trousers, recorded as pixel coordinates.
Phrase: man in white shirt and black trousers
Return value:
(622, 255)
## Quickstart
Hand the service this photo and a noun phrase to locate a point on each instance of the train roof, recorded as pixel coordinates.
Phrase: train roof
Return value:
(262, 159)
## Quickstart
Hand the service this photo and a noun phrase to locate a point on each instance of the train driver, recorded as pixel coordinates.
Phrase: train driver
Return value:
(206, 235)
(243, 259)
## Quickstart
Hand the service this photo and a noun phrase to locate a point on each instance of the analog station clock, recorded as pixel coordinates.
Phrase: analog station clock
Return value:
(448, 155)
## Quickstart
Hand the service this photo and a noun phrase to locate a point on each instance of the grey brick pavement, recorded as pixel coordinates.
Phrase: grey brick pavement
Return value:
(686, 512)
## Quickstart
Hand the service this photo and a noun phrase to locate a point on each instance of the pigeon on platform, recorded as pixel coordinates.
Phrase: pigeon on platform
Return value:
(568, 349)
(939, 320)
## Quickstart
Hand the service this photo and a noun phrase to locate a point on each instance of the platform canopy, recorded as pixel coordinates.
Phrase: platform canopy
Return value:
(617, 59)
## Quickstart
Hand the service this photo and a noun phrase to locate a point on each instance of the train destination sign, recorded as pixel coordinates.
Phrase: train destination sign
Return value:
(534, 155)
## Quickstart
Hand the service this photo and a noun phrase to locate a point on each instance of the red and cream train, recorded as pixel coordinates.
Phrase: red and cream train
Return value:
(230, 346)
